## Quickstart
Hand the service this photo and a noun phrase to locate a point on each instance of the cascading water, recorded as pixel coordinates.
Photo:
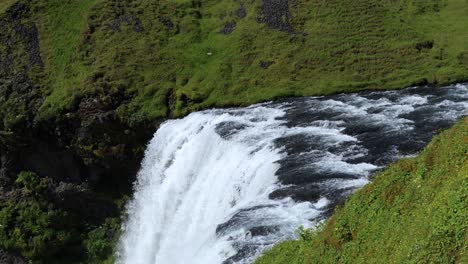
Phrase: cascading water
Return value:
(220, 186)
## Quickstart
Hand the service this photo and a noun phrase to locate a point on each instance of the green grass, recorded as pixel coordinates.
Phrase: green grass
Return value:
(336, 46)
(63, 24)
(413, 212)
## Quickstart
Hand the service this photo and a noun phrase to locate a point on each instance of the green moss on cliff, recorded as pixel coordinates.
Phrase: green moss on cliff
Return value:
(30, 225)
(413, 212)
(33, 225)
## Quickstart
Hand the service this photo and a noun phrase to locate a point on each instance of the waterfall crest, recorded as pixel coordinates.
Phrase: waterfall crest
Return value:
(220, 186)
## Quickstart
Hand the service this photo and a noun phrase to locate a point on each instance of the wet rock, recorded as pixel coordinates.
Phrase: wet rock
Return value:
(227, 129)
(263, 230)
(309, 192)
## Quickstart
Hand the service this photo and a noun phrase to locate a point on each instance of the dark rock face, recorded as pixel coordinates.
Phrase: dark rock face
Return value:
(298, 193)
(125, 18)
(30, 35)
(128, 20)
(27, 32)
(88, 155)
(275, 14)
(80, 200)
(7, 258)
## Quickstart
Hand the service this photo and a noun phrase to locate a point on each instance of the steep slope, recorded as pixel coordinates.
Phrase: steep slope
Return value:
(413, 212)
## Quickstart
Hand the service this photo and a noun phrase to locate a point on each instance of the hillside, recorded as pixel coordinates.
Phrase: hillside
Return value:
(153, 59)
(413, 212)
(85, 83)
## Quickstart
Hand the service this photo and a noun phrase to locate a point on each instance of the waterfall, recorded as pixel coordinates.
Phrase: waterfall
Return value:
(220, 186)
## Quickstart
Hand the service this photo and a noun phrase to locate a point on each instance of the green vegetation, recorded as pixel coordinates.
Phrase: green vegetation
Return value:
(62, 27)
(100, 242)
(413, 212)
(153, 59)
(78, 61)
(32, 226)
(4, 4)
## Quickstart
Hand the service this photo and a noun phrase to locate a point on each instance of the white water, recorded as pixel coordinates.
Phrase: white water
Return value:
(205, 180)
(192, 180)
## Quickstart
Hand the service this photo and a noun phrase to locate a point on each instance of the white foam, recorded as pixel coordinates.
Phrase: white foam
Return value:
(413, 100)
(461, 86)
(204, 181)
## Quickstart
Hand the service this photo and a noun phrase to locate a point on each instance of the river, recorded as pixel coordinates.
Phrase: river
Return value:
(222, 185)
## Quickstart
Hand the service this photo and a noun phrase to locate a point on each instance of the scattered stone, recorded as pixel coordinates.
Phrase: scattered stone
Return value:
(241, 12)
(266, 64)
(167, 22)
(17, 11)
(137, 25)
(429, 44)
(275, 14)
(228, 28)
(128, 20)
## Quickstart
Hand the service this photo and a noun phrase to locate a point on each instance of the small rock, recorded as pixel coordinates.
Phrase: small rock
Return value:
(228, 28)
(241, 12)
(266, 64)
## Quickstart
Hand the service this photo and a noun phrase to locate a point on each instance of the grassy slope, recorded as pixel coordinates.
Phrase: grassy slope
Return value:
(156, 54)
(413, 212)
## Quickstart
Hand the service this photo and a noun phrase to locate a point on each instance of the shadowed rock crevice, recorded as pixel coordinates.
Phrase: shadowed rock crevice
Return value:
(8, 258)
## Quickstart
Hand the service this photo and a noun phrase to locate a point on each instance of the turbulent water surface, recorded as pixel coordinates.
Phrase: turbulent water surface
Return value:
(220, 186)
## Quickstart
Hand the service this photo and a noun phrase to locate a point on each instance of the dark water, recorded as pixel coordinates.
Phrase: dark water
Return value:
(386, 126)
